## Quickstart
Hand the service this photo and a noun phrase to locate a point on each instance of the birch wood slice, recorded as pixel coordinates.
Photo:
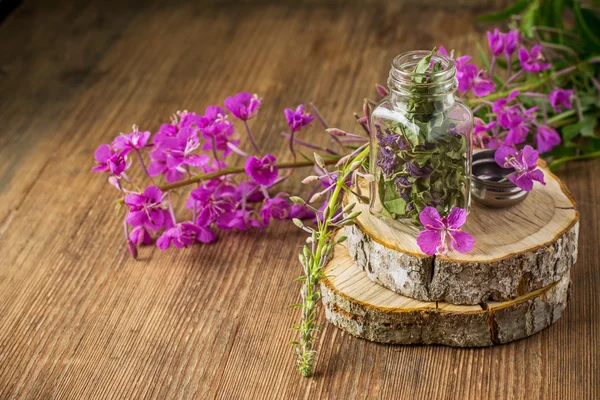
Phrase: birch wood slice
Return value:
(356, 304)
(517, 250)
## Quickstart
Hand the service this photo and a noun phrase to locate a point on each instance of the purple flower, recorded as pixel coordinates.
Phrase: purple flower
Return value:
(470, 77)
(507, 114)
(109, 161)
(546, 138)
(262, 171)
(415, 171)
(511, 41)
(140, 236)
(524, 163)
(561, 98)
(278, 208)
(242, 219)
(184, 234)
(442, 235)
(297, 119)
(166, 131)
(250, 190)
(213, 206)
(481, 136)
(243, 105)
(217, 130)
(180, 150)
(145, 208)
(481, 126)
(301, 212)
(158, 166)
(188, 119)
(496, 41)
(131, 141)
(461, 61)
(533, 61)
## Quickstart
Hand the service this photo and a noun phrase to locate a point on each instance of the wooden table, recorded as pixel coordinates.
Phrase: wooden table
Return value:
(80, 319)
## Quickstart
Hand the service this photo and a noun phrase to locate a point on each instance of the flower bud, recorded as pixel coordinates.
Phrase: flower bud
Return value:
(132, 249)
(336, 132)
(297, 222)
(310, 179)
(297, 200)
(316, 197)
(383, 91)
(349, 208)
(319, 160)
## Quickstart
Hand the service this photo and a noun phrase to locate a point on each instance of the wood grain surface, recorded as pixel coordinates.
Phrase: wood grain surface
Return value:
(80, 319)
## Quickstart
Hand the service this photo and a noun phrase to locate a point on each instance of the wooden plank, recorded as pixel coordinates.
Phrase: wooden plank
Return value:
(80, 319)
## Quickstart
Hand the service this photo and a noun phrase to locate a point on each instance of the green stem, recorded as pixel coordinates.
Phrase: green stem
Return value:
(314, 272)
(560, 161)
(237, 170)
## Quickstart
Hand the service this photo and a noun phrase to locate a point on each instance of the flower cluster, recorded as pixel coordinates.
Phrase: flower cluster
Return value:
(505, 114)
(524, 162)
(198, 148)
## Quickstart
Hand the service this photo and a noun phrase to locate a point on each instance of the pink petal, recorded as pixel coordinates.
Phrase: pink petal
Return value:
(524, 181)
(429, 241)
(430, 218)
(456, 218)
(164, 241)
(103, 153)
(462, 241)
(529, 156)
(206, 235)
(153, 193)
(537, 175)
(502, 154)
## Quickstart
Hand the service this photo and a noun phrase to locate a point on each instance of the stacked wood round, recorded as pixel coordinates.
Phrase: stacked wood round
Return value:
(514, 283)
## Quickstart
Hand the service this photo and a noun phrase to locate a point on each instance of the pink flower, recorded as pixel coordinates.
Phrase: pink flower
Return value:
(524, 163)
(511, 41)
(243, 105)
(243, 219)
(185, 234)
(109, 161)
(442, 235)
(546, 138)
(145, 208)
(301, 212)
(533, 61)
(278, 208)
(506, 113)
(251, 190)
(131, 141)
(480, 134)
(140, 236)
(561, 98)
(470, 77)
(213, 206)
(297, 119)
(262, 171)
(496, 41)
(217, 130)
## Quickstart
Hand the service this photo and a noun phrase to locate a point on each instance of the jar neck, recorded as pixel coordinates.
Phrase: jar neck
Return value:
(438, 86)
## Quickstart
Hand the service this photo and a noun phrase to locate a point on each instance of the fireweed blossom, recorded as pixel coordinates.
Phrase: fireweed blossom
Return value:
(533, 61)
(109, 161)
(561, 98)
(243, 105)
(217, 130)
(262, 171)
(133, 141)
(442, 235)
(213, 206)
(511, 41)
(146, 208)
(546, 138)
(278, 208)
(185, 234)
(140, 235)
(496, 41)
(298, 119)
(524, 162)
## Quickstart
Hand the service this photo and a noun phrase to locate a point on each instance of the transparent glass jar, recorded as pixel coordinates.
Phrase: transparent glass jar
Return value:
(421, 141)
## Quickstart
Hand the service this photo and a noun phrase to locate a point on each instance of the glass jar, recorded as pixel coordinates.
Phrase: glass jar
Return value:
(421, 141)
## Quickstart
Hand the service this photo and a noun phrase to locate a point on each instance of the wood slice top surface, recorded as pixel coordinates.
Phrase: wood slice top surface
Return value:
(547, 213)
(358, 305)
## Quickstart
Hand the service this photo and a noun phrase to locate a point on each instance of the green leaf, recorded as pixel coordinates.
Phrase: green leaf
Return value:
(513, 9)
(528, 19)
